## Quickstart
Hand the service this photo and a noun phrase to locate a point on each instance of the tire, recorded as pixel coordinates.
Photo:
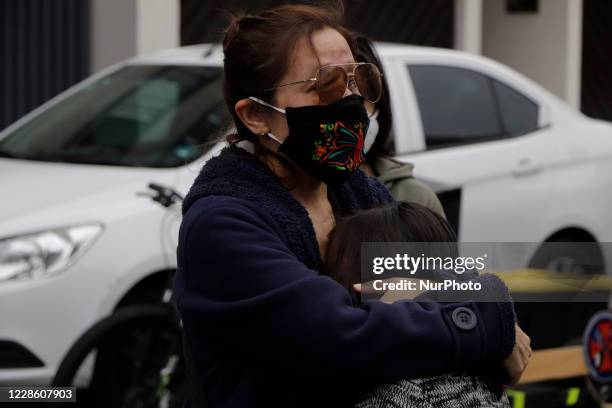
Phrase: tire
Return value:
(129, 349)
(565, 254)
(556, 324)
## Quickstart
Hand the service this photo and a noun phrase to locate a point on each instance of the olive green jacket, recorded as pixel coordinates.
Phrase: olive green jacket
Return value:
(398, 178)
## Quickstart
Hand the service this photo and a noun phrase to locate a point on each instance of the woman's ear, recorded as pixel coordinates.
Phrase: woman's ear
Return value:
(252, 116)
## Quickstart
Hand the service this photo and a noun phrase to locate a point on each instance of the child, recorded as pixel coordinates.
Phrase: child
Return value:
(406, 222)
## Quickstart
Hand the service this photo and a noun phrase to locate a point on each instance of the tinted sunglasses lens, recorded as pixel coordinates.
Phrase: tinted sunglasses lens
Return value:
(331, 84)
(369, 82)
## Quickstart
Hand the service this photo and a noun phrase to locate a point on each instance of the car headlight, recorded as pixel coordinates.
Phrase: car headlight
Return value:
(45, 253)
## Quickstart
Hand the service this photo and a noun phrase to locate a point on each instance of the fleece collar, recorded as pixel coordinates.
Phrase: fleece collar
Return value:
(237, 173)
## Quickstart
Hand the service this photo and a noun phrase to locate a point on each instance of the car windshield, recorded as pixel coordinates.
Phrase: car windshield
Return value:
(149, 116)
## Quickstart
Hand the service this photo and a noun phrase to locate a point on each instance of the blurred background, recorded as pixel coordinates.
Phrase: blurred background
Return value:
(565, 45)
(104, 166)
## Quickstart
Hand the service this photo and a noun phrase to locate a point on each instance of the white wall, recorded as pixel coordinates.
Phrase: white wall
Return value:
(468, 25)
(158, 25)
(125, 28)
(545, 46)
(112, 32)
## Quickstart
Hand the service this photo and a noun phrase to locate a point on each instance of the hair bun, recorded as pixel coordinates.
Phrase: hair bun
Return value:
(238, 23)
(231, 31)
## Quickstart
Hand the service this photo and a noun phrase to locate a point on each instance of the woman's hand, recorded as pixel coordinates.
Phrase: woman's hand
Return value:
(516, 363)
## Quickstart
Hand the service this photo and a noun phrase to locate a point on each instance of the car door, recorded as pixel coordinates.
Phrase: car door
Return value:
(480, 143)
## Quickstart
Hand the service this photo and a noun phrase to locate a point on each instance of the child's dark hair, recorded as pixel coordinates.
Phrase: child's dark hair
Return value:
(393, 222)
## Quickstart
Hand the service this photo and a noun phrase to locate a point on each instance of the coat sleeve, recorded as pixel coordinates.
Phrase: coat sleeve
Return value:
(238, 279)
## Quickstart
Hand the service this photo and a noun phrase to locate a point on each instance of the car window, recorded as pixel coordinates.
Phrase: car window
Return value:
(456, 105)
(461, 106)
(150, 116)
(519, 113)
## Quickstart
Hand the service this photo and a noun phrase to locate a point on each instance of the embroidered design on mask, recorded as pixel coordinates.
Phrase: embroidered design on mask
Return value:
(340, 146)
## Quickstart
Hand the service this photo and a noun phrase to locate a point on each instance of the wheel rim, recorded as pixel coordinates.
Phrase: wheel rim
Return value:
(566, 265)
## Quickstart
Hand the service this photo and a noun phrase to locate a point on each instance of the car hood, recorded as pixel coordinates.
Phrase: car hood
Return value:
(59, 192)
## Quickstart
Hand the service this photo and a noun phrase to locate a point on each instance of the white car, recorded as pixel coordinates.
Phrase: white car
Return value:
(79, 239)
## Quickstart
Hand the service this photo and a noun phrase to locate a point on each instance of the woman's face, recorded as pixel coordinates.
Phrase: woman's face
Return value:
(328, 47)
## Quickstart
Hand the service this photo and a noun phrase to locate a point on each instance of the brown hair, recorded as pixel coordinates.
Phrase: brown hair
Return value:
(393, 222)
(365, 52)
(258, 50)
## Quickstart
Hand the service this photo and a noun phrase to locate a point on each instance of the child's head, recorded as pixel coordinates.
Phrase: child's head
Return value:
(393, 222)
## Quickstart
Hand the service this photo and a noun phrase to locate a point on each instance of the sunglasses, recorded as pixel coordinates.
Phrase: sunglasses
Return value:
(331, 82)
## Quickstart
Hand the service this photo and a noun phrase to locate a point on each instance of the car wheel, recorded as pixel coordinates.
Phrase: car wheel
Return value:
(130, 359)
(557, 324)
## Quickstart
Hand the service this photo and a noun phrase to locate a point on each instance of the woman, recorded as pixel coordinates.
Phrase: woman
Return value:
(410, 222)
(395, 175)
(265, 328)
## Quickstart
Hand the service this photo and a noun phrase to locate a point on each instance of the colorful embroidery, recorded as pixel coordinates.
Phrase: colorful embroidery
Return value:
(340, 146)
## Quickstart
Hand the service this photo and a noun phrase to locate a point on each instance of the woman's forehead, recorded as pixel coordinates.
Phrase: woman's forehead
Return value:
(325, 47)
(331, 47)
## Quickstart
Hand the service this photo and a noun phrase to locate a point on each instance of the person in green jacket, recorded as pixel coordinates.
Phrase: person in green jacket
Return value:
(395, 175)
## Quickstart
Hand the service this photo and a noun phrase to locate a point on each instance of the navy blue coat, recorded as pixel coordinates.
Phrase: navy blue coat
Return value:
(267, 329)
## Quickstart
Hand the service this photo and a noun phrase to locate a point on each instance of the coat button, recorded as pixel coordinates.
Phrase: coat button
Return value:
(464, 318)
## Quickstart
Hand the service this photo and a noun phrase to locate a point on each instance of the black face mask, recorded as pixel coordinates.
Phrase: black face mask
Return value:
(326, 141)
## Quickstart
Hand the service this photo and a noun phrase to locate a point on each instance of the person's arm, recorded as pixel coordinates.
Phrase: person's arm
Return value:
(240, 283)
(413, 190)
